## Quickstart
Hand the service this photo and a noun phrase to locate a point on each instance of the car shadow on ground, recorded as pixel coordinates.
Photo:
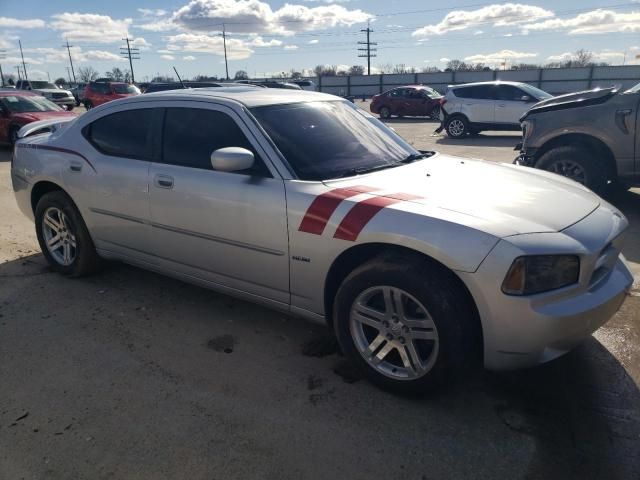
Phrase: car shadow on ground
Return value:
(426, 120)
(117, 351)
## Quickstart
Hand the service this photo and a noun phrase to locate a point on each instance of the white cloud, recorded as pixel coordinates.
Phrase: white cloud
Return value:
(141, 43)
(314, 42)
(18, 61)
(189, 58)
(500, 56)
(168, 57)
(499, 15)
(478, 32)
(200, 43)
(149, 12)
(59, 55)
(594, 22)
(164, 51)
(6, 22)
(259, 42)
(161, 25)
(290, 47)
(255, 16)
(445, 60)
(609, 56)
(89, 27)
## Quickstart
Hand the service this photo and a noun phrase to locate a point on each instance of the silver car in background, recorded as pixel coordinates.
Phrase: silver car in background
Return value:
(422, 263)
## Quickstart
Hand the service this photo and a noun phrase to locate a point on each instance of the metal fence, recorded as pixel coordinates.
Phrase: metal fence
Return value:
(553, 80)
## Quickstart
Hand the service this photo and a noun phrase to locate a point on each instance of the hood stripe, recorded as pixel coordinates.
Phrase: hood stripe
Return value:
(323, 206)
(354, 222)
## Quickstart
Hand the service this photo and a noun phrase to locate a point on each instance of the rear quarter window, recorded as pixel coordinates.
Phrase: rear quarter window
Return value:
(122, 134)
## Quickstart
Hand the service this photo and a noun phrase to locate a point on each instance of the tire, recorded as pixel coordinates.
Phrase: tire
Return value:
(385, 112)
(457, 127)
(13, 134)
(69, 108)
(435, 114)
(73, 236)
(422, 286)
(88, 105)
(578, 164)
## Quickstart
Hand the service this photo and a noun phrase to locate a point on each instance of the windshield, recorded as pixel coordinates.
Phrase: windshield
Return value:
(19, 104)
(431, 92)
(634, 89)
(535, 92)
(324, 140)
(42, 84)
(124, 88)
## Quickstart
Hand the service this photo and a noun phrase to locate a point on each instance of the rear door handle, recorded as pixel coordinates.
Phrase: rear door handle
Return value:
(163, 181)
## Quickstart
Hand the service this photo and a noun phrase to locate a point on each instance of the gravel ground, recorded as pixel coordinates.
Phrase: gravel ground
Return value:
(128, 374)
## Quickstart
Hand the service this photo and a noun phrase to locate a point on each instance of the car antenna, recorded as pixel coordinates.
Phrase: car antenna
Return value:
(178, 75)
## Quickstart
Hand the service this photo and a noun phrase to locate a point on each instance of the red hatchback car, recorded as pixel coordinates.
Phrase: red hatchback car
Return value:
(18, 108)
(99, 92)
(410, 101)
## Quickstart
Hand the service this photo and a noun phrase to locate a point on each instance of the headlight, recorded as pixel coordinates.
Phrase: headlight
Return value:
(527, 128)
(541, 273)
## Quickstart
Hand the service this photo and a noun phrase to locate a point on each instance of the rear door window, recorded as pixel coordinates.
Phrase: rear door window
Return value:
(477, 92)
(509, 93)
(122, 134)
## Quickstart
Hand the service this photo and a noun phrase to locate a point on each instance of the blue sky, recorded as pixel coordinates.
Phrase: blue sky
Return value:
(268, 36)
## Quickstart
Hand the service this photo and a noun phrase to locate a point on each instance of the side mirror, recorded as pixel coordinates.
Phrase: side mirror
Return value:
(231, 159)
(525, 98)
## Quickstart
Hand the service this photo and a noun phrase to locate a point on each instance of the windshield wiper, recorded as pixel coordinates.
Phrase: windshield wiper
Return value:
(416, 156)
(362, 170)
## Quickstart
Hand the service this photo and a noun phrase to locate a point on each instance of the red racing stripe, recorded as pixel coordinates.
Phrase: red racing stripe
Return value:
(362, 212)
(323, 206)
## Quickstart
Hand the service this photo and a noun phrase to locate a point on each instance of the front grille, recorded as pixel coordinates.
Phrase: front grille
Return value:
(59, 95)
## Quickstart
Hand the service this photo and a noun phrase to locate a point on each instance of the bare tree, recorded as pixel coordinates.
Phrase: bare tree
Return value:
(294, 74)
(60, 81)
(386, 68)
(115, 74)
(430, 69)
(326, 70)
(241, 75)
(356, 70)
(87, 74)
(582, 58)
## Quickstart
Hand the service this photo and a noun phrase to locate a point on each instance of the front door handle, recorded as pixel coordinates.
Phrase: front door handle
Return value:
(75, 167)
(163, 181)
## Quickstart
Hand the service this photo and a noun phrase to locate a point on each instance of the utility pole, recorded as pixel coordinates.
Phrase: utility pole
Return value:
(19, 76)
(71, 62)
(69, 74)
(370, 52)
(3, 55)
(132, 54)
(224, 43)
(24, 67)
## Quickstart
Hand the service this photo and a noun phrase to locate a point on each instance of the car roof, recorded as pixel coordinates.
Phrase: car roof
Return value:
(494, 82)
(248, 96)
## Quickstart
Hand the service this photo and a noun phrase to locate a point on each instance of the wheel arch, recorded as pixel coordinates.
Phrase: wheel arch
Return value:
(43, 187)
(355, 256)
(592, 143)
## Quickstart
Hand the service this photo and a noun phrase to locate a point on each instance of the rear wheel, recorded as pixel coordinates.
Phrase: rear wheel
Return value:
(69, 108)
(457, 127)
(435, 114)
(385, 112)
(88, 105)
(578, 164)
(63, 236)
(404, 323)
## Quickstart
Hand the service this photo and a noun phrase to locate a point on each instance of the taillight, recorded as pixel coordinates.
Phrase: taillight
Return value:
(443, 101)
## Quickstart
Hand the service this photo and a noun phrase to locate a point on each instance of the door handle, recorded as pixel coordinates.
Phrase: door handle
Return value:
(502, 105)
(75, 167)
(163, 181)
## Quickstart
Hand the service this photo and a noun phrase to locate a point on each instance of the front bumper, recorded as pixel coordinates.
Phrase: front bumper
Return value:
(524, 331)
(66, 101)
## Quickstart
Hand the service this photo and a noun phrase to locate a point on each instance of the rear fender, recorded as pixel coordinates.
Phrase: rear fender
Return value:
(50, 125)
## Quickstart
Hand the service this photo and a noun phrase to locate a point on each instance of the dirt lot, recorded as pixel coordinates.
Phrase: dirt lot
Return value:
(128, 374)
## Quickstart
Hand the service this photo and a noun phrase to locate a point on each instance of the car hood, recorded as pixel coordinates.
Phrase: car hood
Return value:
(27, 117)
(51, 90)
(499, 199)
(573, 100)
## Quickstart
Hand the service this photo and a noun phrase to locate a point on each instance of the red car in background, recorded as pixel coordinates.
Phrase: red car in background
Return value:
(18, 108)
(103, 91)
(410, 101)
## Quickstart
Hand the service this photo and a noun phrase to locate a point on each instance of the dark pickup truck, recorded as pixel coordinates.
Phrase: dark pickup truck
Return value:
(592, 137)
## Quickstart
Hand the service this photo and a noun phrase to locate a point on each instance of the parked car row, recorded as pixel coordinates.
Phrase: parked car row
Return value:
(48, 90)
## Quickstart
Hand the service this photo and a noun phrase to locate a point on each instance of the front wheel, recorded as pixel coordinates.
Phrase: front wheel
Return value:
(69, 108)
(405, 324)
(578, 164)
(63, 236)
(457, 127)
(385, 112)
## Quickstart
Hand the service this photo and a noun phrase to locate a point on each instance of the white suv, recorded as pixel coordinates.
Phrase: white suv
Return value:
(473, 107)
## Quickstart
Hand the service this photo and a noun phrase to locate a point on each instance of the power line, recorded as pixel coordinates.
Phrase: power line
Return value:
(131, 53)
(370, 52)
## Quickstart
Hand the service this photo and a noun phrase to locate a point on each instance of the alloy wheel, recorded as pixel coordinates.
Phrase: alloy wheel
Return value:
(570, 169)
(456, 127)
(394, 333)
(59, 236)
